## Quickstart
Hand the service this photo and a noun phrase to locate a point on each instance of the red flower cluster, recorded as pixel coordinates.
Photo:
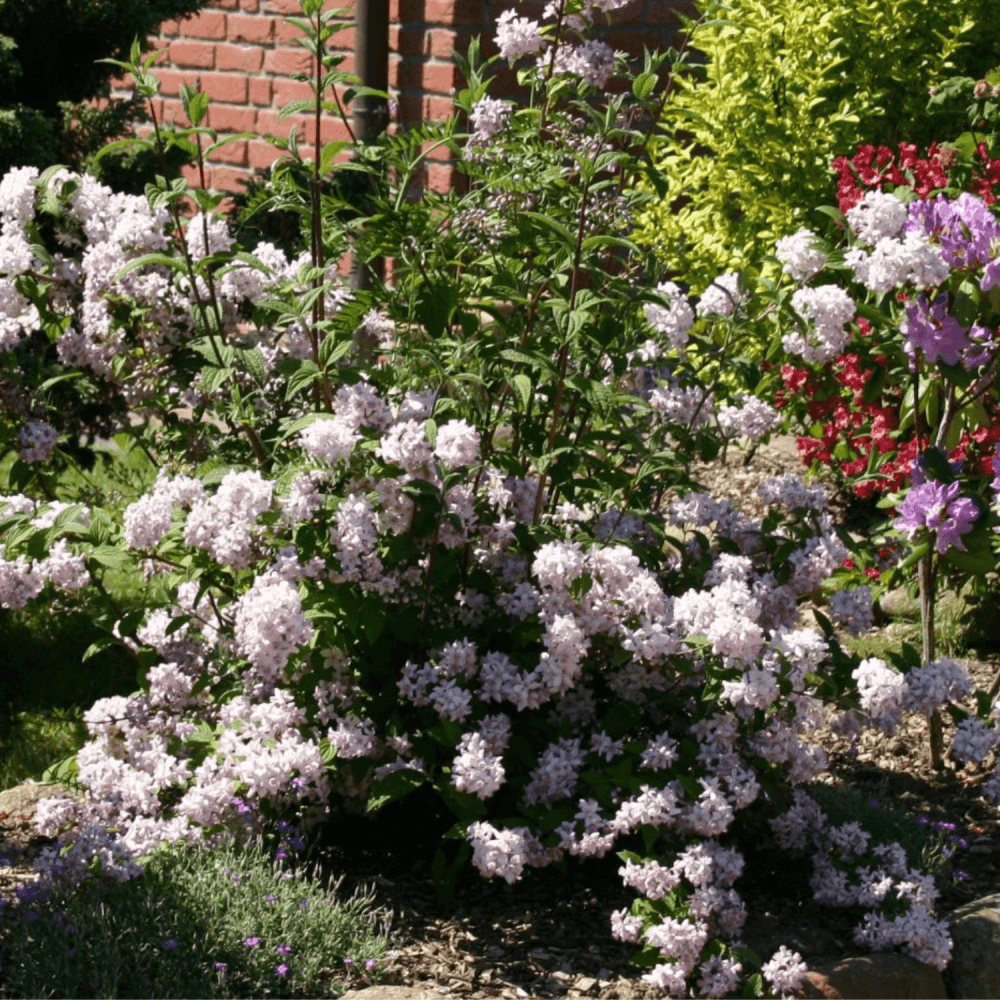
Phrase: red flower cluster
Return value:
(873, 167)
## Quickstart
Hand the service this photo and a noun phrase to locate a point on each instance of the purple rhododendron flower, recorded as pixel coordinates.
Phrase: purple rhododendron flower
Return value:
(934, 333)
(938, 507)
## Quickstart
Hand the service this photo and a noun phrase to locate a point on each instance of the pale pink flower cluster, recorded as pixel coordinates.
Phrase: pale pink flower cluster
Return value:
(879, 215)
(149, 518)
(489, 116)
(269, 628)
(828, 308)
(674, 318)
(223, 524)
(935, 684)
(910, 259)
(593, 61)
(517, 36)
(856, 881)
(753, 419)
(457, 444)
(801, 258)
(792, 493)
(723, 297)
(22, 579)
(502, 853)
(973, 740)
(690, 407)
(853, 610)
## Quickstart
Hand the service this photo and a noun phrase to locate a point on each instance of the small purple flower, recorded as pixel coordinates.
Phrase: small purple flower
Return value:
(961, 876)
(938, 507)
(298, 784)
(281, 970)
(251, 942)
(370, 964)
(242, 806)
(31, 916)
(281, 853)
(284, 949)
(270, 899)
(297, 843)
(170, 944)
(221, 967)
(874, 804)
(347, 964)
(928, 329)
(304, 905)
(71, 953)
(71, 928)
(941, 825)
(923, 820)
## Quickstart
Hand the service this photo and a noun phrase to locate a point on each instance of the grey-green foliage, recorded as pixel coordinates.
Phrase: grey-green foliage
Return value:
(167, 933)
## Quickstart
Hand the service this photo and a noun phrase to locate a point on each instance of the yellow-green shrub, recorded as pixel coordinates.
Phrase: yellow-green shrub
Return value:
(785, 86)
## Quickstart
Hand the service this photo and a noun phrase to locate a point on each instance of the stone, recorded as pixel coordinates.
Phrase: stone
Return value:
(395, 993)
(884, 976)
(975, 934)
(24, 798)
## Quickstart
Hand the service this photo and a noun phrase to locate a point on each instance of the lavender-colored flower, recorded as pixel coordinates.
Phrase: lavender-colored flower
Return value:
(221, 967)
(517, 36)
(939, 508)
(370, 964)
(281, 970)
(284, 949)
(928, 329)
(251, 942)
(271, 899)
(170, 944)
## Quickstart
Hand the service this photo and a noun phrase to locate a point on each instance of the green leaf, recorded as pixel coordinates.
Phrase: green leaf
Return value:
(252, 361)
(393, 787)
(521, 385)
(110, 556)
(643, 85)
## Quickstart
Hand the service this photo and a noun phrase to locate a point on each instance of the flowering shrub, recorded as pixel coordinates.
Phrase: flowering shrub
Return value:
(444, 534)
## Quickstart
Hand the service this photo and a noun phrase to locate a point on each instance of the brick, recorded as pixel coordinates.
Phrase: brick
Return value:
(170, 28)
(344, 38)
(224, 4)
(233, 152)
(247, 28)
(288, 61)
(229, 119)
(172, 80)
(250, 6)
(442, 43)
(260, 155)
(195, 54)
(191, 174)
(259, 91)
(230, 88)
(245, 58)
(439, 77)
(285, 32)
(283, 7)
(406, 41)
(460, 13)
(435, 109)
(228, 179)
(440, 177)
(206, 24)
(286, 91)
(173, 111)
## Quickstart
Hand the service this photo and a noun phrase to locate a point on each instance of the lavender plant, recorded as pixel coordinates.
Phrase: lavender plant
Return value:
(443, 534)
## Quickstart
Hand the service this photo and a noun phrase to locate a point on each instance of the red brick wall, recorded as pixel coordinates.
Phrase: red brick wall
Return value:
(243, 54)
